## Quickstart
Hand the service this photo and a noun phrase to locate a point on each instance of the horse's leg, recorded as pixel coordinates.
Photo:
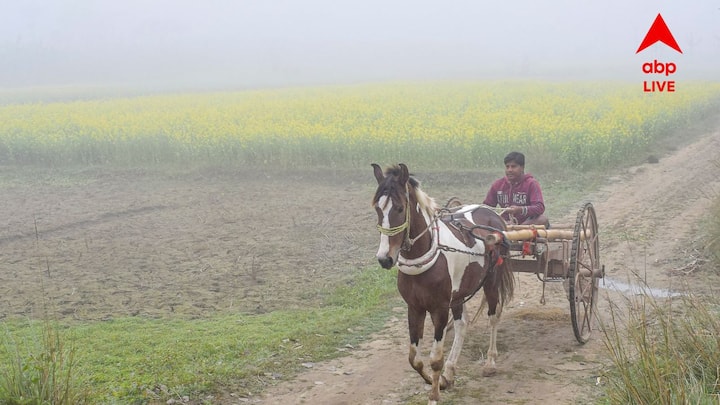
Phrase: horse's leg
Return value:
(416, 325)
(460, 326)
(437, 355)
(493, 297)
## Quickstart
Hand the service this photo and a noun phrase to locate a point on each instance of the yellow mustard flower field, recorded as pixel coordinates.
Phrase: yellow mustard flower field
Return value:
(432, 125)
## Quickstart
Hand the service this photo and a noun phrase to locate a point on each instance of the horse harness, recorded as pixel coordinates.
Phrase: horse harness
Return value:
(453, 216)
(464, 229)
(467, 230)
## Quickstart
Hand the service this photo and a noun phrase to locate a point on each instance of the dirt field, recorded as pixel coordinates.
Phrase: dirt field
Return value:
(106, 243)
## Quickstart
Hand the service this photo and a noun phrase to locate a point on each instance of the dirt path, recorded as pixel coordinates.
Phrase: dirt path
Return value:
(648, 218)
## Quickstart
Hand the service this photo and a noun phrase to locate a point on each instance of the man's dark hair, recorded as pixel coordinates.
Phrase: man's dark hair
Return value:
(516, 157)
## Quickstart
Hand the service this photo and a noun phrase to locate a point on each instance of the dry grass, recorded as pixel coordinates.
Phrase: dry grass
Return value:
(664, 351)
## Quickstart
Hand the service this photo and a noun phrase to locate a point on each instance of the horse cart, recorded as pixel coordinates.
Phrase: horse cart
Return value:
(567, 254)
(444, 255)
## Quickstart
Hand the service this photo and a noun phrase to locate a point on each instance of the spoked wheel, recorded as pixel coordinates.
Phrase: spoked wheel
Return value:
(584, 273)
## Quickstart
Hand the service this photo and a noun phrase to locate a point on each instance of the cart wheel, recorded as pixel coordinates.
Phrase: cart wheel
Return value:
(584, 273)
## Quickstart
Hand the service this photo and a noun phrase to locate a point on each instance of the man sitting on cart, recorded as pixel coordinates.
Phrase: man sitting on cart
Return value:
(519, 193)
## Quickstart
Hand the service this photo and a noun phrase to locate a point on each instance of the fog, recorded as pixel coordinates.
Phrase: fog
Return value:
(243, 43)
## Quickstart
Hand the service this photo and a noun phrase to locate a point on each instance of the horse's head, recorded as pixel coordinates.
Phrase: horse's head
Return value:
(391, 204)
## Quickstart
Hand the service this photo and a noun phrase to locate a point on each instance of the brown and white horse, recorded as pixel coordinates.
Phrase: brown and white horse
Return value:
(442, 262)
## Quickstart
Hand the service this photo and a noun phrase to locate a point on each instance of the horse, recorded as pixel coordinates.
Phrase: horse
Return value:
(442, 261)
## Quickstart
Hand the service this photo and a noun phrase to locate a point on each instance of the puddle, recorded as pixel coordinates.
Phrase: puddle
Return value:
(628, 289)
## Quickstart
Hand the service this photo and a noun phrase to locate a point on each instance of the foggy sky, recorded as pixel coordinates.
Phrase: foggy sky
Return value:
(282, 42)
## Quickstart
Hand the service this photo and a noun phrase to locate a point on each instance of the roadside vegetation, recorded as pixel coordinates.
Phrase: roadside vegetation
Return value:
(666, 351)
(712, 247)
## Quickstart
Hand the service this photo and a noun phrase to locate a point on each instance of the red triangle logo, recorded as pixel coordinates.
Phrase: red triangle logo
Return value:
(659, 32)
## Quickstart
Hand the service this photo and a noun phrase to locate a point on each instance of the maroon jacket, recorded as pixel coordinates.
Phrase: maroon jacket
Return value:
(525, 193)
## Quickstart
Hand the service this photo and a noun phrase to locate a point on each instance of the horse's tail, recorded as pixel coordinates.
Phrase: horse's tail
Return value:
(505, 281)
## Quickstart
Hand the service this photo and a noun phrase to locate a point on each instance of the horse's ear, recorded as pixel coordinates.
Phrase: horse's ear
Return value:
(404, 173)
(378, 173)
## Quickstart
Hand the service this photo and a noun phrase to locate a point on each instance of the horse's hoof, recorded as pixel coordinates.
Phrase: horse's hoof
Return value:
(447, 378)
(489, 371)
(445, 384)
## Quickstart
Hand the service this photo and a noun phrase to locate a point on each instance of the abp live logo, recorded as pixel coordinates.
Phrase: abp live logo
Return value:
(659, 32)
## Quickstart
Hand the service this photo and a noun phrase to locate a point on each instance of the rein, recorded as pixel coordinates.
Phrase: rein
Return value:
(410, 241)
(441, 213)
(405, 226)
(427, 228)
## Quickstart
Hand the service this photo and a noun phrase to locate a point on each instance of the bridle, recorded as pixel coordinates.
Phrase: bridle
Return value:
(397, 229)
(422, 263)
(405, 226)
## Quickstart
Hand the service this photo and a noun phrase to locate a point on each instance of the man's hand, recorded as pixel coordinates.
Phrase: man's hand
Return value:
(514, 210)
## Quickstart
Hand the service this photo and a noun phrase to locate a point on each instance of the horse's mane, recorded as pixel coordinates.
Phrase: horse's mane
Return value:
(426, 202)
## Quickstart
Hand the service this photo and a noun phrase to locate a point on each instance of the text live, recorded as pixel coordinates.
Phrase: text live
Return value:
(659, 68)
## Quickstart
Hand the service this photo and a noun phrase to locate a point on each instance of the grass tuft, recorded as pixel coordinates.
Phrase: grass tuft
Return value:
(664, 351)
(41, 370)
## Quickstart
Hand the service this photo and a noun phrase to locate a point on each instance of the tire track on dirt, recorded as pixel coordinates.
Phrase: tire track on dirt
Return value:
(101, 219)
